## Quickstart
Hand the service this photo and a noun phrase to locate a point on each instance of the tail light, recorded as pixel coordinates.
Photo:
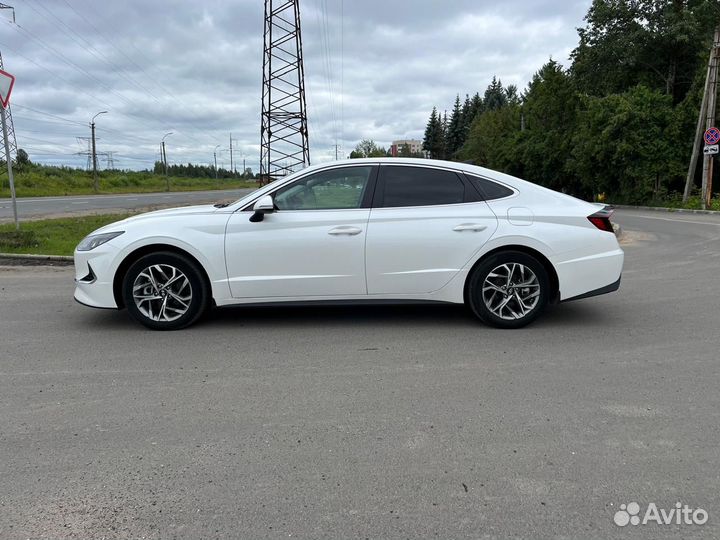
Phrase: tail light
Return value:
(601, 219)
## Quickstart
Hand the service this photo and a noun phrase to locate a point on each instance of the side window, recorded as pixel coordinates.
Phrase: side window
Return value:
(327, 190)
(418, 186)
(488, 189)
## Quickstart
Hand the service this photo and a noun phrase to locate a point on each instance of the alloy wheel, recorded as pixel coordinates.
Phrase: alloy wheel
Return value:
(511, 291)
(162, 293)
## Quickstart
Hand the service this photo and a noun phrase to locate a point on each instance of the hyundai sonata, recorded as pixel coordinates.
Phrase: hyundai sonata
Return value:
(372, 230)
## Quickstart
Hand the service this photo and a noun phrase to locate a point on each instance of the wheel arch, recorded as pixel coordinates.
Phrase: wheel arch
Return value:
(136, 254)
(541, 258)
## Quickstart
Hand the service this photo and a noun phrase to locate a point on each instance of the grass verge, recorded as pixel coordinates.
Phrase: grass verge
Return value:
(53, 181)
(51, 236)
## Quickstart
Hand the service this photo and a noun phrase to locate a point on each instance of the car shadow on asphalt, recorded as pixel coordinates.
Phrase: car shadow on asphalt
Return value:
(565, 316)
(341, 315)
(572, 314)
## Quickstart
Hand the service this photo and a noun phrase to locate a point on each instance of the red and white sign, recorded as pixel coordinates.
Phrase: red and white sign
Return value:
(712, 136)
(7, 82)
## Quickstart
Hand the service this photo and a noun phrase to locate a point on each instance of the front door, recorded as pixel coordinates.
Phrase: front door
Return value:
(313, 245)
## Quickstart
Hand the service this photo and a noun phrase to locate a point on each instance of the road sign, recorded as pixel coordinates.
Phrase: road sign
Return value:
(712, 136)
(7, 82)
(711, 149)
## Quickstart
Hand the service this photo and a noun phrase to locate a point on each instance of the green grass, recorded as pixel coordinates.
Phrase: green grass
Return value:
(51, 236)
(43, 181)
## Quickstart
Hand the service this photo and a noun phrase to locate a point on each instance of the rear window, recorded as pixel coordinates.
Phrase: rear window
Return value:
(488, 189)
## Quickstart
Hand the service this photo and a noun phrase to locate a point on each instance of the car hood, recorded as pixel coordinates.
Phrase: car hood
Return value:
(168, 212)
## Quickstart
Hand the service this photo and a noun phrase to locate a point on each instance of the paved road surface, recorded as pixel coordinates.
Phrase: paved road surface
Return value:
(34, 207)
(402, 422)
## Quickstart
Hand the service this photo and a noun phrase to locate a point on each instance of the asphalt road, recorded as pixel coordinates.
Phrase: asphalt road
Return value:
(35, 207)
(382, 422)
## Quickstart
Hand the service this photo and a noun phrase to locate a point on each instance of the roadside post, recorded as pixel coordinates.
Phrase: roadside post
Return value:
(7, 82)
(712, 148)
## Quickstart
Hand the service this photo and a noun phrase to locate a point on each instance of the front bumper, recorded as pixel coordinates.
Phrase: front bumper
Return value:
(94, 273)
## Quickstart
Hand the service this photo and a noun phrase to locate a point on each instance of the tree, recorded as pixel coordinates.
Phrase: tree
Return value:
(611, 151)
(22, 158)
(367, 149)
(455, 129)
(434, 140)
(495, 96)
(511, 93)
(405, 151)
(657, 43)
(550, 109)
(492, 141)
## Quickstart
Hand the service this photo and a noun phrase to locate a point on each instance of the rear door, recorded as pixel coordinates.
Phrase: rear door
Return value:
(425, 225)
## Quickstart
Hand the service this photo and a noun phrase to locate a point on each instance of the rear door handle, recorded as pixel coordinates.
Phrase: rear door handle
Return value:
(344, 230)
(474, 227)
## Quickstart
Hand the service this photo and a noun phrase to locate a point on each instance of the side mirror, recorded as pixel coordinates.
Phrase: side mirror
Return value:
(264, 205)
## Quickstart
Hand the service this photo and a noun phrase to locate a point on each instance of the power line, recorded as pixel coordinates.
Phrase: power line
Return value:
(88, 47)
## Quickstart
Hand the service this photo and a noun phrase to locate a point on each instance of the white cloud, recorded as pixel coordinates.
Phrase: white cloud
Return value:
(195, 69)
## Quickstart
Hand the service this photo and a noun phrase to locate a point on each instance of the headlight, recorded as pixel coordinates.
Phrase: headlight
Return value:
(94, 240)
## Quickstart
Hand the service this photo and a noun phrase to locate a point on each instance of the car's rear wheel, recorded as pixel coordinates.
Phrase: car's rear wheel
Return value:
(509, 289)
(165, 291)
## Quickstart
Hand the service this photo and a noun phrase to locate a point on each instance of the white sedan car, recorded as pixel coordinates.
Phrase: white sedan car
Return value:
(371, 230)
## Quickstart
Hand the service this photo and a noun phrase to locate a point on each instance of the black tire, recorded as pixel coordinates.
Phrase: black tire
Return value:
(478, 299)
(172, 315)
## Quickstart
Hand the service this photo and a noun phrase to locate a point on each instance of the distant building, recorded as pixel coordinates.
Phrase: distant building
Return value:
(415, 147)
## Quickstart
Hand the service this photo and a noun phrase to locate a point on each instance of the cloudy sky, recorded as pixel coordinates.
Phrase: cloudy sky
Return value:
(374, 69)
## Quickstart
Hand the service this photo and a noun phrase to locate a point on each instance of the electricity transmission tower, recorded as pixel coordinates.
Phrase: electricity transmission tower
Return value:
(8, 115)
(284, 134)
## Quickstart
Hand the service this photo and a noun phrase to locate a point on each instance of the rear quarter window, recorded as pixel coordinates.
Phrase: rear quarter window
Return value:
(488, 189)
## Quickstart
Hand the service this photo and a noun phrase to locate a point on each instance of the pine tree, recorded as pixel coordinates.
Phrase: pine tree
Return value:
(467, 117)
(495, 96)
(434, 140)
(477, 106)
(455, 129)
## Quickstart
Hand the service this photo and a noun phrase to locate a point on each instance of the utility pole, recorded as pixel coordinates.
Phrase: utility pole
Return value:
(284, 133)
(164, 160)
(215, 159)
(94, 153)
(706, 119)
(231, 158)
(708, 160)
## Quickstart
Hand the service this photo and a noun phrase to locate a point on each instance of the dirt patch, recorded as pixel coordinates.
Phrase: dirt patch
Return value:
(628, 238)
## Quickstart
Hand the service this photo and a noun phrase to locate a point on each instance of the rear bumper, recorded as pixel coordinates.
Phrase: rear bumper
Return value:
(583, 276)
(597, 292)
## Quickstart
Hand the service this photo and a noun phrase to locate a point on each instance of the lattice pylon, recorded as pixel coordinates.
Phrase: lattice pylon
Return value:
(284, 133)
(10, 128)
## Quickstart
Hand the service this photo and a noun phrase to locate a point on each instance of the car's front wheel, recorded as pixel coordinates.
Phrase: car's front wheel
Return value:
(509, 289)
(165, 291)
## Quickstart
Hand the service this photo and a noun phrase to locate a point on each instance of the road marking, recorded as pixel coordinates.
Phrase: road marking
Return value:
(678, 220)
(80, 202)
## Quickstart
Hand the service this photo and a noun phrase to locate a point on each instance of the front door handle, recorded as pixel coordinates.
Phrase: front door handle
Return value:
(344, 231)
(474, 227)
